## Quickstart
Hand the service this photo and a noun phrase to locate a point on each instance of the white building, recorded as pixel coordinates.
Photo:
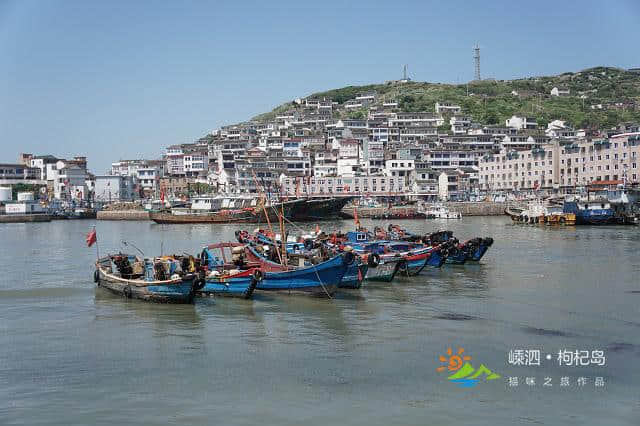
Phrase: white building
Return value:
(442, 107)
(110, 188)
(560, 91)
(522, 122)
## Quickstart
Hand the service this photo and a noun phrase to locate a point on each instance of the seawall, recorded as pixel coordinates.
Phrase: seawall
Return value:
(478, 208)
(123, 215)
(20, 218)
(467, 209)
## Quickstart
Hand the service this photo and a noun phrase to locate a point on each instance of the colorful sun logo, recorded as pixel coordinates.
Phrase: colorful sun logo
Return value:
(454, 361)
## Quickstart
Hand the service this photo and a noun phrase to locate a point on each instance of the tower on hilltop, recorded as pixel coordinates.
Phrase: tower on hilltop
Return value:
(476, 60)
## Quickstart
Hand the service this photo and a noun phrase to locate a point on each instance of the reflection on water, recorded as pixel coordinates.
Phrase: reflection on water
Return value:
(74, 353)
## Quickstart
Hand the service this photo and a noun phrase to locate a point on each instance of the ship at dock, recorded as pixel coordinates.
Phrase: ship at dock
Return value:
(250, 209)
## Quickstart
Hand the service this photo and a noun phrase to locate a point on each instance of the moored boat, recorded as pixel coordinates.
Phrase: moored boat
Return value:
(321, 279)
(146, 279)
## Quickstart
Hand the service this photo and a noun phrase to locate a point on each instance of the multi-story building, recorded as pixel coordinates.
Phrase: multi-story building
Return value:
(337, 185)
(110, 188)
(558, 166)
(446, 107)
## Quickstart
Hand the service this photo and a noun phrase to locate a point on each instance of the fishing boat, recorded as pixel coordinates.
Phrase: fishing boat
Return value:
(591, 212)
(355, 274)
(476, 248)
(233, 283)
(155, 280)
(226, 210)
(316, 209)
(439, 211)
(321, 279)
(385, 269)
(416, 255)
(457, 255)
(224, 277)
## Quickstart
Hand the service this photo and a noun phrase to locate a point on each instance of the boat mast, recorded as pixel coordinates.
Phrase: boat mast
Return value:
(282, 237)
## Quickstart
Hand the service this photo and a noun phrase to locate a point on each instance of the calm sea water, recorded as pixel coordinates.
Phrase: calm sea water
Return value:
(74, 354)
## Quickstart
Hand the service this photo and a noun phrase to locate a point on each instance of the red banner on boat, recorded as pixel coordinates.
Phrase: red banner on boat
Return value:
(91, 238)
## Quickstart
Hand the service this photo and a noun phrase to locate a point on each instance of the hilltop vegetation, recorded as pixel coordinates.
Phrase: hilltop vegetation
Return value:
(491, 102)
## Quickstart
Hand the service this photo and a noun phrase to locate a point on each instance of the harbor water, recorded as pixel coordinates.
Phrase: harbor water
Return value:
(71, 353)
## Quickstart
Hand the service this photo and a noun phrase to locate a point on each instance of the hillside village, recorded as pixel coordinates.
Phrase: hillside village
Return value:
(427, 141)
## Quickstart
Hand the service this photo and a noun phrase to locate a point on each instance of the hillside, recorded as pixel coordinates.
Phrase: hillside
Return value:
(491, 102)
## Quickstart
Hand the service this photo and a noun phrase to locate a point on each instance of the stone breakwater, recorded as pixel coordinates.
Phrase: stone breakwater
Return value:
(123, 215)
(20, 218)
(478, 208)
(467, 209)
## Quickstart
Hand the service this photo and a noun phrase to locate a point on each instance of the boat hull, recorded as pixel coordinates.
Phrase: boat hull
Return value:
(385, 271)
(238, 285)
(476, 253)
(253, 215)
(354, 275)
(319, 209)
(321, 280)
(414, 264)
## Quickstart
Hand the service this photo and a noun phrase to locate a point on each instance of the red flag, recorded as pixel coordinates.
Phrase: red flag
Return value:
(359, 275)
(91, 238)
(162, 196)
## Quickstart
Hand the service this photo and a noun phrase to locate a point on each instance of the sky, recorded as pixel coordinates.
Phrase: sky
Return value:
(118, 80)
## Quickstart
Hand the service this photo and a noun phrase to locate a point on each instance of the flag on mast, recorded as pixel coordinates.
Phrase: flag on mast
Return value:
(91, 237)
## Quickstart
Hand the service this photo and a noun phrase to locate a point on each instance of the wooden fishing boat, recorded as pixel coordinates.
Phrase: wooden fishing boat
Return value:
(251, 214)
(145, 279)
(386, 269)
(477, 248)
(354, 275)
(321, 280)
(236, 284)
(223, 277)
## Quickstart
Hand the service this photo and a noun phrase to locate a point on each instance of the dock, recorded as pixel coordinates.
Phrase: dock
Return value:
(24, 218)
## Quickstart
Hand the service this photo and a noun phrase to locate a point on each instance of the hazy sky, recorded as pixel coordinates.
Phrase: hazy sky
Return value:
(122, 79)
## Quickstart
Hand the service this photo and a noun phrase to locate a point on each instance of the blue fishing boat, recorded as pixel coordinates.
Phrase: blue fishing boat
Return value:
(355, 275)
(457, 255)
(240, 284)
(227, 274)
(155, 280)
(321, 280)
(597, 212)
(477, 247)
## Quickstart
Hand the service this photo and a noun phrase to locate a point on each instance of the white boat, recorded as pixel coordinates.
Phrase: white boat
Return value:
(442, 212)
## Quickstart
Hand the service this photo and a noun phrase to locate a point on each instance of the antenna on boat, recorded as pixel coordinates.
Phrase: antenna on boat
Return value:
(132, 245)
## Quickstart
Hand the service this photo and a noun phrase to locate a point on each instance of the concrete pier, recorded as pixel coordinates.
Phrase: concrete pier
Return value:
(21, 218)
(123, 215)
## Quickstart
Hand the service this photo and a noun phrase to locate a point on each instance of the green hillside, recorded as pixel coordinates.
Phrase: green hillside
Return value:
(491, 102)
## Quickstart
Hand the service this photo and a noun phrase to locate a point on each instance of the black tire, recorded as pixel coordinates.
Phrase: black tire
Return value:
(390, 227)
(402, 265)
(96, 276)
(257, 275)
(374, 260)
(127, 291)
(200, 284)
